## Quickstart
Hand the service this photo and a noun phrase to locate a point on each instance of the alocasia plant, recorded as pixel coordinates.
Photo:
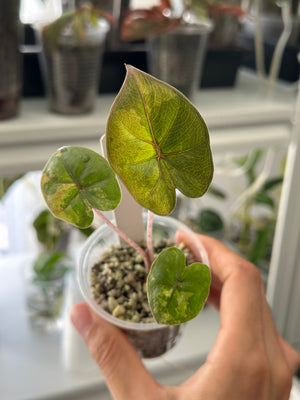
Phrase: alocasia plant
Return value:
(157, 142)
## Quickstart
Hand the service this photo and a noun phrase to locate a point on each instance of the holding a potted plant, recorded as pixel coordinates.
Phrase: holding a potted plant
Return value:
(157, 142)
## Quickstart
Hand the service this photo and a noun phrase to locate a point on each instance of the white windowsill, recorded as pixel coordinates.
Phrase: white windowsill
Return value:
(247, 114)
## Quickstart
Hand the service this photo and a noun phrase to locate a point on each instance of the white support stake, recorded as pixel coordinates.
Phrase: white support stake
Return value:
(128, 214)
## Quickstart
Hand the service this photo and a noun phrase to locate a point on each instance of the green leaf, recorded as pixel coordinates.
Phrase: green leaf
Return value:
(210, 221)
(252, 159)
(74, 181)
(156, 142)
(263, 198)
(51, 33)
(271, 183)
(262, 244)
(50, 266)
(217, 192)
(49, 230)
(176, 293)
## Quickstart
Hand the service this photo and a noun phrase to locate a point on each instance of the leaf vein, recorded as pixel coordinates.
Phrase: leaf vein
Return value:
(136, 137)
(166, 135)
(154, 143)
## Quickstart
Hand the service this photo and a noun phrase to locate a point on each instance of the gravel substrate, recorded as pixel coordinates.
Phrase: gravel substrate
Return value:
(118, 281)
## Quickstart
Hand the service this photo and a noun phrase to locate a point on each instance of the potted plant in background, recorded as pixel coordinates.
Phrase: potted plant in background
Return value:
(45, 277)
(226, 16)
(251, 225)
(176, 42)
(224, 53)
(73, 46)
(157, 142)
(10, 59)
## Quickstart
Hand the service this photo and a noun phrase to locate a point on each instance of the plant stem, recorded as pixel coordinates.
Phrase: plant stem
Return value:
(150, 252)
(126, 238)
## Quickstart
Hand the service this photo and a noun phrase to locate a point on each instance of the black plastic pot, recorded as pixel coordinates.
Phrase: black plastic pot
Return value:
(221, 66)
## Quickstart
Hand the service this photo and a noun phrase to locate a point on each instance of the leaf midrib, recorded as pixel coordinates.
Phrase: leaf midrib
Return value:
(74, 181)
(154, 142)
(158, 153)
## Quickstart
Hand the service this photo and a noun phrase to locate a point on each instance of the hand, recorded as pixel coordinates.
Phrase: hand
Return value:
(249, 359)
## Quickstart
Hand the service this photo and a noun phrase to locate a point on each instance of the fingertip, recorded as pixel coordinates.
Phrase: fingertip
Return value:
(81, 318)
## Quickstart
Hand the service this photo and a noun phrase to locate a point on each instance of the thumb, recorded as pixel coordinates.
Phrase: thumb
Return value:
(124, 372)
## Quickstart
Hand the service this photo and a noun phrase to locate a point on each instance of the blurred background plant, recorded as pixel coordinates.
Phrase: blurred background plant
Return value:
(207, 220)
(274, 26)
(244, 216)
(51, 232)
(45, 276)
(6, 182)
(73, 46)
(251, 226)
(141, 23)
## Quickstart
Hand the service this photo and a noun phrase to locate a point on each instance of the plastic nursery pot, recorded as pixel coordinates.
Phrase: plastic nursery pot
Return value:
(150, 339)
(44, 301)
(72, 70)
(176, 57)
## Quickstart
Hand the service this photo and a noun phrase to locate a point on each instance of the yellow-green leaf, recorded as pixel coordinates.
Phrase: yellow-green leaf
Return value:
(74, 181)
(156, 142)
(176, 292)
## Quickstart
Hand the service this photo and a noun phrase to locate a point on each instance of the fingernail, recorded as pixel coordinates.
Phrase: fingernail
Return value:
(81, 318)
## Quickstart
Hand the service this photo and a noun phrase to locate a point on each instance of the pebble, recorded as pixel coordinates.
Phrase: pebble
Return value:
(118, 311)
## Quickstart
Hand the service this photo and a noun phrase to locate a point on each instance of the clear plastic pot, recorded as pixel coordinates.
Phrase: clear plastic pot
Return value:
(72, 70)
(44, 301)
(149, 339)
(177, 56)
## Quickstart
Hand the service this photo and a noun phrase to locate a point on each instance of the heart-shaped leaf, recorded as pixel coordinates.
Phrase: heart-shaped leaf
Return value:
(156, 142)
(176, 293)
(74, 181)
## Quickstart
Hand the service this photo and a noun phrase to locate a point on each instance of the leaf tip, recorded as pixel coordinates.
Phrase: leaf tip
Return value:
(130, 69)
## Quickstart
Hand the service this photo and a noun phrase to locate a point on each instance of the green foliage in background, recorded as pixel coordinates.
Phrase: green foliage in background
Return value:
(50, 266)
(255, 234)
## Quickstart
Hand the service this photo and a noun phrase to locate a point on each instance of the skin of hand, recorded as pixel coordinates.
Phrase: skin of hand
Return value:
(249, 359)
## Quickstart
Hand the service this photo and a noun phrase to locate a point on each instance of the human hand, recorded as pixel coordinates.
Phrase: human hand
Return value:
(249, 359)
